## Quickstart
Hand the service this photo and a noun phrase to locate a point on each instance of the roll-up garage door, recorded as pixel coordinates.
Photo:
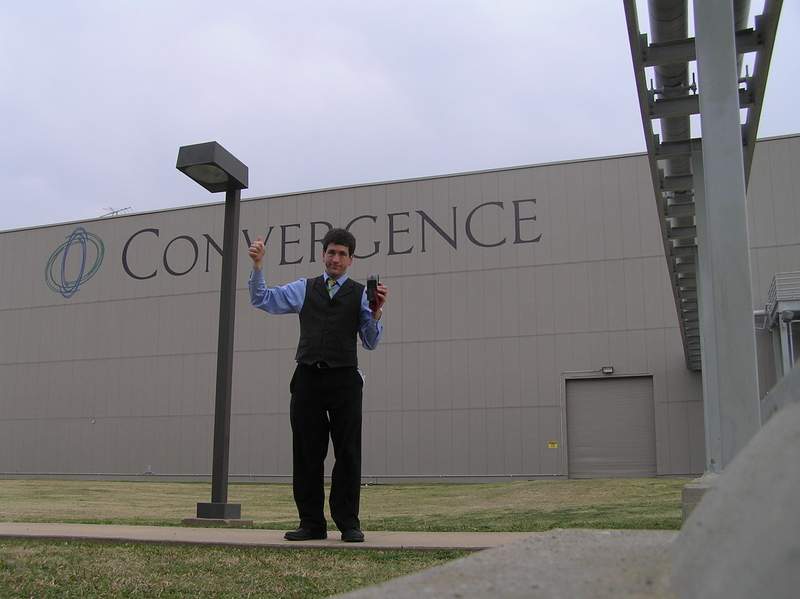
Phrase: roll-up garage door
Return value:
(611, 429)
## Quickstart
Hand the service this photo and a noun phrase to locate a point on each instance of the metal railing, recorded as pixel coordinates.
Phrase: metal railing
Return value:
(785, 287)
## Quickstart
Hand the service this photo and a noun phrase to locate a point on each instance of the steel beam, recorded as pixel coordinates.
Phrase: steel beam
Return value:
(730, 377)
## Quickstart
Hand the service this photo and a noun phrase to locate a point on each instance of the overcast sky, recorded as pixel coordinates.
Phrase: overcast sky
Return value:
(97, 96)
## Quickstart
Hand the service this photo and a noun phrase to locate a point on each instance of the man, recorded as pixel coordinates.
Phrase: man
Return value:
(327, 386)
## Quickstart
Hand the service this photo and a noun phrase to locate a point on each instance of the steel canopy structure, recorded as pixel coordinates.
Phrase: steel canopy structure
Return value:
(700, 184)
(670, 102)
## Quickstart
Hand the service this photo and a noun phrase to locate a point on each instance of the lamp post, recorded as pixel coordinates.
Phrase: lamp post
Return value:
(216, 169)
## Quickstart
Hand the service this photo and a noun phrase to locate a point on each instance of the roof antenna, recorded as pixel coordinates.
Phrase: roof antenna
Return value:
(113, 212)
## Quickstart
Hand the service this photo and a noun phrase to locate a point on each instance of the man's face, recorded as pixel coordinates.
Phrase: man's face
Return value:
(336, 259)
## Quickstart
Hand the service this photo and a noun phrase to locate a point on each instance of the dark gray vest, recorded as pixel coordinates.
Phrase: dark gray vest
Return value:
(329, 327)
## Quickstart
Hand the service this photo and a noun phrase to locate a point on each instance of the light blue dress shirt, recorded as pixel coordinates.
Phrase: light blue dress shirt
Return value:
(288, 299)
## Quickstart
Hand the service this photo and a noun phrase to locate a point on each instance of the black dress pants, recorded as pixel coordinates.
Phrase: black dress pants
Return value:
(326, 403)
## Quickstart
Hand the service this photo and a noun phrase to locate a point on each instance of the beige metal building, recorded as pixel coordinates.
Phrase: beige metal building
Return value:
(531, 328)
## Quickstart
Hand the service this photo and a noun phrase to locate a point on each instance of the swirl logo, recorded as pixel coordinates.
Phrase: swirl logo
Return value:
(67, 267)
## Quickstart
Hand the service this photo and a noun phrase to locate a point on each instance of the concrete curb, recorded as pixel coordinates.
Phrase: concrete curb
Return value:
(248, 537)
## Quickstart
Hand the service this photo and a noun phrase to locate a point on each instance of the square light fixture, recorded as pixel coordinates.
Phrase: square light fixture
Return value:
(212, 166)
(607, 370)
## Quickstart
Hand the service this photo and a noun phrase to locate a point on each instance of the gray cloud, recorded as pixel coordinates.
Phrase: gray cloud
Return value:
(97, 97)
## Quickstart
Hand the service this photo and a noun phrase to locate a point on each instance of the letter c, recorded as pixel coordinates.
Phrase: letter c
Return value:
(468, 226)
(125, 256)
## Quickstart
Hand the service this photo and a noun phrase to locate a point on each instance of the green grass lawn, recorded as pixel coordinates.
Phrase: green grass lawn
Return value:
(45, 569)
(78, 569)
(523, 506)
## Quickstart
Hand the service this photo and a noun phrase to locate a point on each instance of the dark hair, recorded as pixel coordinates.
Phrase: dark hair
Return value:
(339, 237)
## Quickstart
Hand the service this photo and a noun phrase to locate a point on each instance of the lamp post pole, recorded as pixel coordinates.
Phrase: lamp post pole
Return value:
(214, 168)
(219, 506)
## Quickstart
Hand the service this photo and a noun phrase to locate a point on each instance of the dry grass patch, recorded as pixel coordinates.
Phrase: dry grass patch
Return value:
(522, 506)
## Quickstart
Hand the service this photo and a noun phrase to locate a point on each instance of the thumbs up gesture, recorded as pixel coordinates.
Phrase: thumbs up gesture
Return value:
(256, 252)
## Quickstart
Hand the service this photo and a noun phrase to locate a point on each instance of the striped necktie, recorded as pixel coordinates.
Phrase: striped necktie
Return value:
(331, 285)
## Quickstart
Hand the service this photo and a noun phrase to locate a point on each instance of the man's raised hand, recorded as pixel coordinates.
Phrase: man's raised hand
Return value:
(256, 252)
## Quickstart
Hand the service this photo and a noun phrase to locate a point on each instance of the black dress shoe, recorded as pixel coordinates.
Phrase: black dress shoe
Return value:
(353, 536)
(304, 534)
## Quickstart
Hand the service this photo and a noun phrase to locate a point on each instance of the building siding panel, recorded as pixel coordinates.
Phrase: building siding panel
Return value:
(480, 326)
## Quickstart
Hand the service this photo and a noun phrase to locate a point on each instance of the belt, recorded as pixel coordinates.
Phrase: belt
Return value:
(323, 366)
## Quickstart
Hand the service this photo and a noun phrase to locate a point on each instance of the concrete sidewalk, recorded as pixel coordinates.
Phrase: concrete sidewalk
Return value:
(249, 537)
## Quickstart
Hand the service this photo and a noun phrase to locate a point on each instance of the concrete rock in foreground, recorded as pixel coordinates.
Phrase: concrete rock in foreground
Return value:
(743, 539)
(559, 564)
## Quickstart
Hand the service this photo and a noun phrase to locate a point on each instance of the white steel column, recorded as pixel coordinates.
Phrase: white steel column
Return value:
(724, 283)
